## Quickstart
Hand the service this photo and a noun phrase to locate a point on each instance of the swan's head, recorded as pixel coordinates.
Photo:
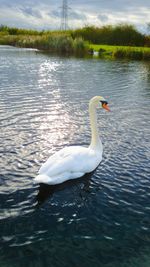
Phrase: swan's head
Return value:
(99, 102)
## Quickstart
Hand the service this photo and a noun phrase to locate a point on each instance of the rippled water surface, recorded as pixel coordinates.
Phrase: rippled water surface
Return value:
(100, 220)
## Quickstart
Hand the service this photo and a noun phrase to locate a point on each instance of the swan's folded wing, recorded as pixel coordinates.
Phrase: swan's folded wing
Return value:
(70, 159)
(51, 161)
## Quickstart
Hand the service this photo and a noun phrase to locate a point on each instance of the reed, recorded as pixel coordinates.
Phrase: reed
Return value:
(120, 53)
(80, 47)
(63, 44)
(146, 55)
(8, 40)
(59, 43)
(132, 54)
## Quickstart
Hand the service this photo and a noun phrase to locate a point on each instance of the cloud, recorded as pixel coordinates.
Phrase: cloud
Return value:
(103, 18)
(29, 11)
(77, 15)
(46, 14)
(55, 13)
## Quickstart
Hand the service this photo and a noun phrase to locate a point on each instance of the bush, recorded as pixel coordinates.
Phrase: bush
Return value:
(122, 34)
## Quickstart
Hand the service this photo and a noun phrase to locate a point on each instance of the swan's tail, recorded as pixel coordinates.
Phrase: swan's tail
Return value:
(41, 178)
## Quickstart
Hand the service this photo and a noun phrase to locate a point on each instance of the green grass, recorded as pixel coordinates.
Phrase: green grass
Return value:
(113, 48)
(121, 52)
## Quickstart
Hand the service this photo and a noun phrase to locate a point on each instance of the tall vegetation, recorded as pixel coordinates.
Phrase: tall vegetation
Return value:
(112, 35)
(122, 34)
(81, 42)
(132, 54)
(60, 43)
(16, 31)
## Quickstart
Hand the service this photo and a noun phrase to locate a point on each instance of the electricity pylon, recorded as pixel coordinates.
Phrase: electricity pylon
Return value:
(64, 15)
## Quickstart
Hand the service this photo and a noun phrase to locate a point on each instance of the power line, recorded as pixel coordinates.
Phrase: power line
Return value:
(64, 15)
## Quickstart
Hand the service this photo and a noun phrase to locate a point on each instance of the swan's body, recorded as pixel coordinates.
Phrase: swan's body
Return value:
(74, 161)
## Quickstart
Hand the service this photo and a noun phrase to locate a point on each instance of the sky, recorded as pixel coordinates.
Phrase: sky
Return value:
(46, 14)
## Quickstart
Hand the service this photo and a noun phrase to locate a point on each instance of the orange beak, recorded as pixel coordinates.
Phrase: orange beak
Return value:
(105, 106)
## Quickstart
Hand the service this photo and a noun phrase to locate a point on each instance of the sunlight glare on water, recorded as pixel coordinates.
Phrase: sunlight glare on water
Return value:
(102, 219)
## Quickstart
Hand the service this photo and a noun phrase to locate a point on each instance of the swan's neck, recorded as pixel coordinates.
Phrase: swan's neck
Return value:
(95, 140)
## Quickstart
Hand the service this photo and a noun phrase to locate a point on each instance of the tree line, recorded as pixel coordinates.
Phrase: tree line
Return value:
(122, 34)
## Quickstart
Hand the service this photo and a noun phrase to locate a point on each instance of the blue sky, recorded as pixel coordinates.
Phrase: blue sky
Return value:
(45, 14)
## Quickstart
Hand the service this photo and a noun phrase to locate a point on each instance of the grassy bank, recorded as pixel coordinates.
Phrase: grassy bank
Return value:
(129, 52)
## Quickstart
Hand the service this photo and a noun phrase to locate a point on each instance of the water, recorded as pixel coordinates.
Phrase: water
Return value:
(102, 219)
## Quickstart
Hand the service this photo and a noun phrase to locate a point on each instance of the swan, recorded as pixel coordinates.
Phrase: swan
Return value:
(75, 161)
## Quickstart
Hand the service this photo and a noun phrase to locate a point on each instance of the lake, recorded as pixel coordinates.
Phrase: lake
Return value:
(102, 219)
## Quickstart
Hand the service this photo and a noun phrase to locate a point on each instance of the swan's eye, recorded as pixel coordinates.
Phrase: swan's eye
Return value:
(105, 105)
(104, 102)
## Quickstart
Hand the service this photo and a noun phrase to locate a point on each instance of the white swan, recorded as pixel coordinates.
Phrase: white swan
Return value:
(74, 161)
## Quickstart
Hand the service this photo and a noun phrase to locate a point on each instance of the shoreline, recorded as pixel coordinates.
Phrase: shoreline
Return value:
(64, 45)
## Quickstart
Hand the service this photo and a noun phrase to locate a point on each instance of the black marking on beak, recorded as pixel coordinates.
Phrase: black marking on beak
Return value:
(104, 102)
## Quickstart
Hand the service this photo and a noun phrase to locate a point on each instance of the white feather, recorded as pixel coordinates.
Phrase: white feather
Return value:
(74, 161)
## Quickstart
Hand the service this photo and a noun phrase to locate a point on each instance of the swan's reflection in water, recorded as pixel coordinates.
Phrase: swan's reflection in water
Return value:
(46, 191)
